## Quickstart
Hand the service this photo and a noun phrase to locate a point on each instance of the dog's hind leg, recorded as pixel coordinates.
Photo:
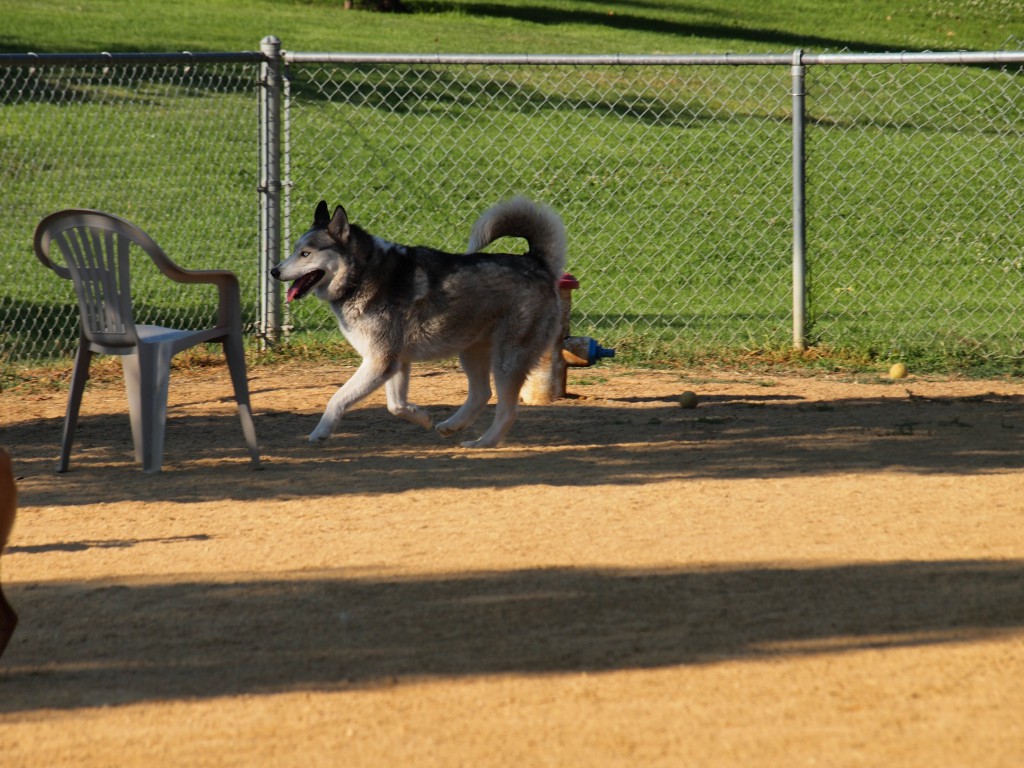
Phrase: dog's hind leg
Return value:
(476, 363)
(508, 383)
(371, 374)
(397, 389)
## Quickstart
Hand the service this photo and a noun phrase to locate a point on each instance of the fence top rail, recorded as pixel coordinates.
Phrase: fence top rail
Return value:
(293, 57)
(916, 57)
(121, 59)
(730, 59)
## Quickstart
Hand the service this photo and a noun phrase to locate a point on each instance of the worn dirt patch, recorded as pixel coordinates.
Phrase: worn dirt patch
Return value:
(801, 570)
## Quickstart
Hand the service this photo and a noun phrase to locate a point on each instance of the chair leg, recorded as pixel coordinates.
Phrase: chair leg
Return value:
(235, 353)
(131, 366)
(79, 376)
(146, 379)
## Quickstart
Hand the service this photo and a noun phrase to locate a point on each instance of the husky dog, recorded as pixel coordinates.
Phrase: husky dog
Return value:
(399, 304)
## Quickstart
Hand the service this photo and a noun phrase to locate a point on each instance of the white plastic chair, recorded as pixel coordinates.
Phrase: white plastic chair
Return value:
(95, 247)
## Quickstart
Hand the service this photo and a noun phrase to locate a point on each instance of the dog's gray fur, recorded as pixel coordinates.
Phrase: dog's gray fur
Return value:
(399, 304)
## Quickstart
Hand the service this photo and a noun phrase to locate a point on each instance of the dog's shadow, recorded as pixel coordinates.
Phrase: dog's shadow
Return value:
(569, 443)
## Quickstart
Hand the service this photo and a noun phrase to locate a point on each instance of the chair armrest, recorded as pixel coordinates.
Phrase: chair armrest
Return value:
(214, 276)
(229, 307)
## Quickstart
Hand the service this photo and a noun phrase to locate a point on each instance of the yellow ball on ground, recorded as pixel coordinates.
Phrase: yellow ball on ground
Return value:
(688, 399)
(898, 371)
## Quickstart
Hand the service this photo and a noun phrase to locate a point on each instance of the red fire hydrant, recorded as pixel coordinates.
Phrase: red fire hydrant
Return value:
(547, 380)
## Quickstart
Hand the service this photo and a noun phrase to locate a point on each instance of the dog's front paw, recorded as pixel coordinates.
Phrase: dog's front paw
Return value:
(481, 443)
(416, 415)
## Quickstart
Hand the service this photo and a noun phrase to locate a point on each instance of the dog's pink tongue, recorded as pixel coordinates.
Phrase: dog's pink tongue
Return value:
(292, 290)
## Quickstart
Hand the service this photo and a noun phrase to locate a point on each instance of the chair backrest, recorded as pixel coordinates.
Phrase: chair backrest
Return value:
(95, 247)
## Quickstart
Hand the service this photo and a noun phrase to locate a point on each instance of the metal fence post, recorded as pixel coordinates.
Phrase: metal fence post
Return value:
(270, 189)
(799, 212)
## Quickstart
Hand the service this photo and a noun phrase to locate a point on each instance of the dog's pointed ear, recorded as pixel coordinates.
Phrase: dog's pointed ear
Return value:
(338, 226)
(321, 218)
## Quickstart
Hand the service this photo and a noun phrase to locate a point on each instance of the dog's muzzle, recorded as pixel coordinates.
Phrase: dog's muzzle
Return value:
(301, 286)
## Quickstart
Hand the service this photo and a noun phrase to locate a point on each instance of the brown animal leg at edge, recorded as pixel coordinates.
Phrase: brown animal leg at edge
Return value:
(8, 506)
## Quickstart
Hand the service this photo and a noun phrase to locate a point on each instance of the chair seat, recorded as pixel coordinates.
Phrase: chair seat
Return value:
(158, 334)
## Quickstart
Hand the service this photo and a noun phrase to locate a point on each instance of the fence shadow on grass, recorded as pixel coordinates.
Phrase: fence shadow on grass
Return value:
(635, 20)
(634, 440)
(111, 643)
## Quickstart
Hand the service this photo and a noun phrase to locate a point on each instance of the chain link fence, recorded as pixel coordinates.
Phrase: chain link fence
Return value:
(915, 225)
(675, 177)
(674, 183)
(169, 142)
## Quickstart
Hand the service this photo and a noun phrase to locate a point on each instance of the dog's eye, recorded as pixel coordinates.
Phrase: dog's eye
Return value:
(304, 254)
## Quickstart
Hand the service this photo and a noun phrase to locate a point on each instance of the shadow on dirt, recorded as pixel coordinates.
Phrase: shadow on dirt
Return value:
(110, 643)
(84, 546)
(630, 441)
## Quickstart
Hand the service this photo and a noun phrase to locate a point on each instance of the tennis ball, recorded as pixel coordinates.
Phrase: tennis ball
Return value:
(688, 399)
(898, 371)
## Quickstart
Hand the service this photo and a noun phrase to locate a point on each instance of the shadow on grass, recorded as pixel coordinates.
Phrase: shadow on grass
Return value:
(621, 16)
(110, 643)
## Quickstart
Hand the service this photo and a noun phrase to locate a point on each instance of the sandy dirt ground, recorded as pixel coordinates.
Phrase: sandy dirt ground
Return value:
(802, 570)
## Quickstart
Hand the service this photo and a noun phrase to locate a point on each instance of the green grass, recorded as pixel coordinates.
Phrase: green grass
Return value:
(702, 139)
(539, 26)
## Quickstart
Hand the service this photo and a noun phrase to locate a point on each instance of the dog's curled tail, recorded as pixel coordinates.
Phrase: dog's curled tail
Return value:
(539, 225)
